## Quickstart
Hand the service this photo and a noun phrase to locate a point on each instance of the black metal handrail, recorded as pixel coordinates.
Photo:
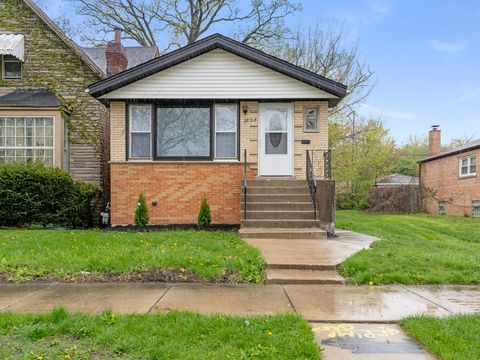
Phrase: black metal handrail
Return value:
(245, 184)
(312, 184)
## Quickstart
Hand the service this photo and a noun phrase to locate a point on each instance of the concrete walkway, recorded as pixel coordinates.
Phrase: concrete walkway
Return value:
(309, 260)
(317, 303)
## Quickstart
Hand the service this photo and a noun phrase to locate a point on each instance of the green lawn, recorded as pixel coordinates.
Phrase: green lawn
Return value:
(451, 338)
(415, 249)
(95, 255)
(176, 335)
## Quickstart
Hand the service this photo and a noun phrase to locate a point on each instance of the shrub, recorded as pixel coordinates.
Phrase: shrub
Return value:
(141, 212)
(204, 217)
(31, 193)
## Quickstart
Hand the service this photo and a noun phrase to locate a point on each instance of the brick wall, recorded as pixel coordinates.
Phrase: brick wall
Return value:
(318, 140)
(442, 177)
(178, 189)
(117, 131)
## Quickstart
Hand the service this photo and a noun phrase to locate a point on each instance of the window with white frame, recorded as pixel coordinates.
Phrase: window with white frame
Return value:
(27, 138)
(476, 208)
(311, 119)
(11, 67)
(226, 119)
(140, 131)
(442, 208)
(468, 166)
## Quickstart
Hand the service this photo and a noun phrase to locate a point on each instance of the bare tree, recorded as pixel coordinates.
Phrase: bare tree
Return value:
(146, 21)
(323, 51)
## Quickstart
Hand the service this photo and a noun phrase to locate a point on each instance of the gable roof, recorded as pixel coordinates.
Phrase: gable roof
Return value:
(472, 145)
(397, 179)
(69, 42)
(38, 98)
(136, 55)
(205, 45)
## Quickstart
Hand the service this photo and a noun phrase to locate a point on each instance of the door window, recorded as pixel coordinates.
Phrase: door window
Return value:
(276, 133)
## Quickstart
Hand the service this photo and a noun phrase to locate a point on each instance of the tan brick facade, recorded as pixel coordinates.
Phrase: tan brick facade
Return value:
(442, 177)
(117, 131)
(178, 187)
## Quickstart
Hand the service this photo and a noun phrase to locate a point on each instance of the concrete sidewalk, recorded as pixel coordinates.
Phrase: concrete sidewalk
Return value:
(316, 303)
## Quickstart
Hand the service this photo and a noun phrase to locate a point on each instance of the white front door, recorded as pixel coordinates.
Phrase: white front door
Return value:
(275, 139)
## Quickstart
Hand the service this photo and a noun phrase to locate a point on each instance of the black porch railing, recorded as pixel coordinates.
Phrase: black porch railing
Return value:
(322, 159)
(312, 184)
(245, 184)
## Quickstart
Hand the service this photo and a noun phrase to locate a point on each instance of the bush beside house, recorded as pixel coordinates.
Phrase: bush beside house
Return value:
(31, 193)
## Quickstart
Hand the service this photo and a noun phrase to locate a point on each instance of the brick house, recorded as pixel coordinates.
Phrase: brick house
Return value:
(45, 113)
(196, 121)
(452, 177)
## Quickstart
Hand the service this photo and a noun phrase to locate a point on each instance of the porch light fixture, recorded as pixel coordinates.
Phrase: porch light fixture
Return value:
(245, 109)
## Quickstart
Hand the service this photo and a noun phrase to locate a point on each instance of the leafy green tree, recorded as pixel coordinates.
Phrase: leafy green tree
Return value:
(141, 212)
(204, 216)
(362, 151)
(409, 154)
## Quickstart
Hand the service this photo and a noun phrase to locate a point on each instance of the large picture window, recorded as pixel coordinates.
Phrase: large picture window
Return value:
(183, 132)
(140, 131)
(26, 139)
(226, 130)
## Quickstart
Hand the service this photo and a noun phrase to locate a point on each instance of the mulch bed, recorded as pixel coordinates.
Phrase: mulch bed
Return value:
(142, 276)
(211, 227)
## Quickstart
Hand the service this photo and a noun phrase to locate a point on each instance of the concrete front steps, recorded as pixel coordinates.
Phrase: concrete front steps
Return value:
(282, 209)
(298, 276)
(282, 233)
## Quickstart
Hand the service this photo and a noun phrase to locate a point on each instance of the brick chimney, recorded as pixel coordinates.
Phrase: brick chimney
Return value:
(435, 141)
(115, 54)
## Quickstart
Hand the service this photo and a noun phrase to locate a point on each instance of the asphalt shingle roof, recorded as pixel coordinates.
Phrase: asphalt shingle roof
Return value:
(38, 98)
(135, 55)
(456, 150)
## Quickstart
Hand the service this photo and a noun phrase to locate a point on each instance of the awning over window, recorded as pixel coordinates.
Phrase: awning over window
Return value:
(12, 44)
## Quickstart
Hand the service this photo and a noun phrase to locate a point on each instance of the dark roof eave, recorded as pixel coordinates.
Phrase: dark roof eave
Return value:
(205, 45)
(440, 156)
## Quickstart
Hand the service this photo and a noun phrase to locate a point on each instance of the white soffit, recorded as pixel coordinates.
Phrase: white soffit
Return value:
(12, 44)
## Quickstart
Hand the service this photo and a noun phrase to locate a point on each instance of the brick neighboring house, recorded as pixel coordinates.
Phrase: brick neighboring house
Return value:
(181, 124)
(452, 175)
(45, 112)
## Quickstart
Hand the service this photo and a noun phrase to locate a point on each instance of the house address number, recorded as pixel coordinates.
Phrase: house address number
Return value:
(250, 120)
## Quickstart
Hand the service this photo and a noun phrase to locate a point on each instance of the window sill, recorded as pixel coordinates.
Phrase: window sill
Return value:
(150, 161)
(461, 177)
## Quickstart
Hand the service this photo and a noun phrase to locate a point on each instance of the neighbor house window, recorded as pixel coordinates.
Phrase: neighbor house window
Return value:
(442, 208)
(11, 67)
(183, 132)
(311, 119)
(226, 130)
(26, 139)
(140, 131)
(476, 208)
(468, 166)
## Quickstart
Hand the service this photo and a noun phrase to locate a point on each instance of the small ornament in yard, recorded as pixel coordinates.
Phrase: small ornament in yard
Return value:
(141, 212)
(204, 217)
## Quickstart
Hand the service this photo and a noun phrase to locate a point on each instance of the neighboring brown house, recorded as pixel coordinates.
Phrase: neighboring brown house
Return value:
(452, 177)
(182, 124)
(45, 113)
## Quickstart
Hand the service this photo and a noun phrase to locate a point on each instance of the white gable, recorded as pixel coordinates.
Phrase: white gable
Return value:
(218, 75)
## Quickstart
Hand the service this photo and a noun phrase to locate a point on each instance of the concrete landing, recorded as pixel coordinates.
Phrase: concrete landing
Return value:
(287, 276)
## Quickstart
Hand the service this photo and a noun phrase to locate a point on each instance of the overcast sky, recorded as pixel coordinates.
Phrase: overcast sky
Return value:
(425, 54)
